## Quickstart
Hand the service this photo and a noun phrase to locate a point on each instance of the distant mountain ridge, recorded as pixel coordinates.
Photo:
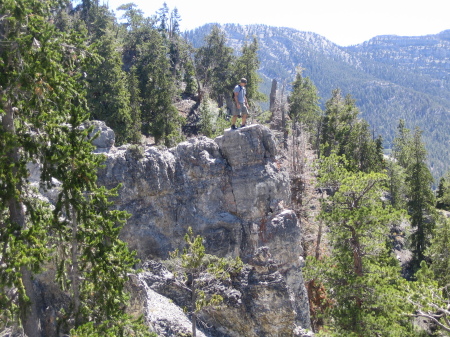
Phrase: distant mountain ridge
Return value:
(391, 77)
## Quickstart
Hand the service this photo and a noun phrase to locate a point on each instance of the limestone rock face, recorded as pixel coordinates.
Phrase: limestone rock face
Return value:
(233, 193)
(215, 187)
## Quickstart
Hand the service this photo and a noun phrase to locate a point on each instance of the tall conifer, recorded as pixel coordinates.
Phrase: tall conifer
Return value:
(247, 66)
(214, 66)
(342, 131)
(410, 153)
(107, 95)
(304, 104)
(361, 274)
(420, 196)
(42, 108)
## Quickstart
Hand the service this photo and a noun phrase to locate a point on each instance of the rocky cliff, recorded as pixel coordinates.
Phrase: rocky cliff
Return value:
(232, 192)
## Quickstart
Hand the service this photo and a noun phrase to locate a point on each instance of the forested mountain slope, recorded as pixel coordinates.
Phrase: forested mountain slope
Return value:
(390, 77)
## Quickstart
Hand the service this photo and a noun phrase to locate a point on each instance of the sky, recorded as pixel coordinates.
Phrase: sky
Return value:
(344, 22)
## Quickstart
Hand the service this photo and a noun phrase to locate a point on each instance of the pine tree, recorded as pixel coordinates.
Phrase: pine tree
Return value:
(368, 152)
(163, 18)
(189, 77)
(108, 97)
(161, 118)
(33, 88)
(361, 275)
(396, 183)
(247, 66)
(410, 153)
(439, 252)
(430, 300)
(440, 194)
(304, 105)
(336, 124)
(93, 263)
(134, 17)
(87, 10)
(345, 133)
(147, 52)
(421, 198)
(42, 108)
(214, 66)
(443, 193)
(174, 27)
(401, 148)
(207, 118)
(135, 106)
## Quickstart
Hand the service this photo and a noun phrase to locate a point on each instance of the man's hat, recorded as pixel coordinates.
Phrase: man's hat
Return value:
(243, 80)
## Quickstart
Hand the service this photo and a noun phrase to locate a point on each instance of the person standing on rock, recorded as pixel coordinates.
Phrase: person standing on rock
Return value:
(240, 99)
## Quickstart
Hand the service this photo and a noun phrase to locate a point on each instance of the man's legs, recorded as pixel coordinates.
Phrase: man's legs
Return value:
(244, 113)
(233, 120)
(244, 119)
(235, 112)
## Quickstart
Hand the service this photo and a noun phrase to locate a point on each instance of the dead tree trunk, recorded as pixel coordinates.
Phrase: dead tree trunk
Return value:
(283, 119)
(273, 96)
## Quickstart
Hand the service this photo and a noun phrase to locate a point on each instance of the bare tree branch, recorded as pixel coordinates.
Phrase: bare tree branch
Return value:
(432, 318)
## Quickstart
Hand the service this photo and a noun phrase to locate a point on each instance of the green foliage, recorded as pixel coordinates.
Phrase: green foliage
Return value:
(189, 78)
(42, 109)
(361, 276)
(212, 121)
(146, 51)
(21, 247)
(39, 68)
(331, 170)
(194, 260)
(410, 153)
(264, 117)
(344, 132)
(397, 186)
(135, 106)
(93, 263)
(443, 193)
(430, 300)
(304, 104)
(127, 327)
(163, 18)
(193, 265)
(401, 149)
(137, 151)
(439, 252)
(421, 197)
(247, 66)
(214, 65)
(107, 96)
(207, 117)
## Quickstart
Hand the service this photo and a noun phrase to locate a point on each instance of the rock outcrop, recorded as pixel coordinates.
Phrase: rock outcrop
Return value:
(232, 192)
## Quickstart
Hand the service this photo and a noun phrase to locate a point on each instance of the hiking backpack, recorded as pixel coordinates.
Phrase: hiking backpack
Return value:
(232, 93)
